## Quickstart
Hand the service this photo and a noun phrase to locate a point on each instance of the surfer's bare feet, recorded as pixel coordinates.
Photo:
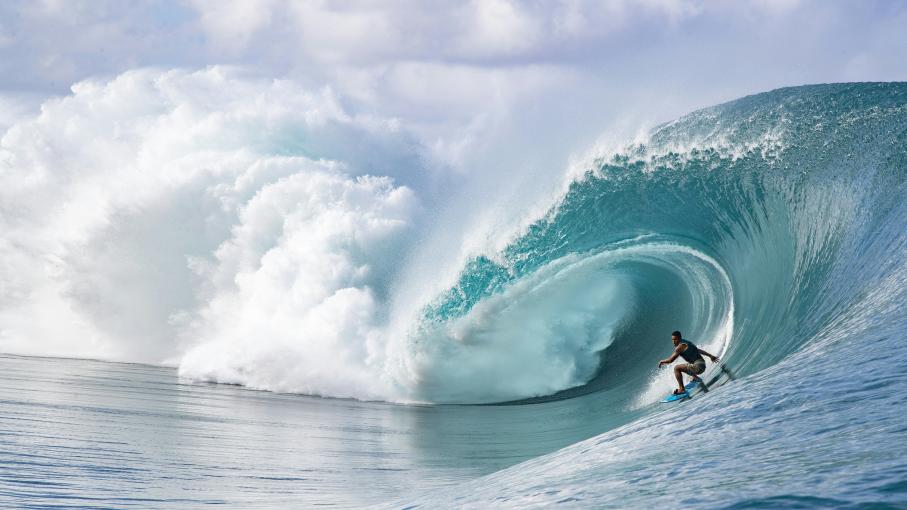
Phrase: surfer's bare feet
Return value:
(680, 391)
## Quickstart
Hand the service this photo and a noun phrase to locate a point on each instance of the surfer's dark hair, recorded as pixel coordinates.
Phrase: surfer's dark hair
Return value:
(677, 334)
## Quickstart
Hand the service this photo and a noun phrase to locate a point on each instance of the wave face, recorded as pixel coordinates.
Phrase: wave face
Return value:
(798, 196)
(239, 235)
(756, 227)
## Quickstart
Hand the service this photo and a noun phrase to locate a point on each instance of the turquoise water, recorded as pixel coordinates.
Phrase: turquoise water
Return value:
(771, 230)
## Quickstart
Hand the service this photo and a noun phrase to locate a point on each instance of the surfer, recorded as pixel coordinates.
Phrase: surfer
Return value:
(695, 364)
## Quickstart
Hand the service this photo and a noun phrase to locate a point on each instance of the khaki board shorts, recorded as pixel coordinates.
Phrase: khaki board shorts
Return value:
(697, 367)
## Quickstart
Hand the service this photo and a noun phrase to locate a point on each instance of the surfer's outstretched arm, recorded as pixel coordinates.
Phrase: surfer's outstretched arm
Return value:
(680, 348)
(714, 358)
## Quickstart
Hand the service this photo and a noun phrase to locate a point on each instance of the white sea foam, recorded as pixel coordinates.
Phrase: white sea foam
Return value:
(208, 213)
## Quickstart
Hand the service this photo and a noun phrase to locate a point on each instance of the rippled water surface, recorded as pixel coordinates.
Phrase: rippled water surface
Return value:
(84, 433)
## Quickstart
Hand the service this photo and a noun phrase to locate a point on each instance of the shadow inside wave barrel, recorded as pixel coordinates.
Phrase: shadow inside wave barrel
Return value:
(628, 363)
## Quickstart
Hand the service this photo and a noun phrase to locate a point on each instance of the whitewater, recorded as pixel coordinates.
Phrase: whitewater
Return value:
(232, 234)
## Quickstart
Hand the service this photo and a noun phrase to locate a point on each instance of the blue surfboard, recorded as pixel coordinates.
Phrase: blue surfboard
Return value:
(688, 392)
(677, 397)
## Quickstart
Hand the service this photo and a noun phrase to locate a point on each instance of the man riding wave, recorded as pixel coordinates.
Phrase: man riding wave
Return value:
(695, 364)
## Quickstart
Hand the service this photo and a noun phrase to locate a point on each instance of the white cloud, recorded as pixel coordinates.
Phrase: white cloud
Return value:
(336, 34)
(497, 27)
(635, 53)
(231, 25)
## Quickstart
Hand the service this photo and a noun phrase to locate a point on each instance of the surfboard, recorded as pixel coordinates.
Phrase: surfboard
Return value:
(688, 393)
(676, 398)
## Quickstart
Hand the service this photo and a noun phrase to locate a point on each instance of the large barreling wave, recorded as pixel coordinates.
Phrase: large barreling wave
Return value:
(756, 227)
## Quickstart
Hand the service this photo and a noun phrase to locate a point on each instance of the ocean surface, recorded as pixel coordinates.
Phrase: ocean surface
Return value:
(771, 230)
(91, 434)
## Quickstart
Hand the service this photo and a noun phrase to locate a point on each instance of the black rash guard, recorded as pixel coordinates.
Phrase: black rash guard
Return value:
(691, 353)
